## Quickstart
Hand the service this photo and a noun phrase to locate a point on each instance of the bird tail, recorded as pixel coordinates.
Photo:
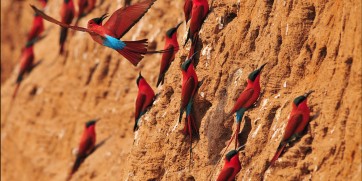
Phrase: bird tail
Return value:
(134, 51)
(135, 128)
(79, 160)
(161, 79)
(63, 37)
(237, 134)
(194, 44)
(277, 154)
(16, 90)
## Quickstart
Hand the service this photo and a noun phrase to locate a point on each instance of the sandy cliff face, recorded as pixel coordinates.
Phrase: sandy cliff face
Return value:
(307, 45)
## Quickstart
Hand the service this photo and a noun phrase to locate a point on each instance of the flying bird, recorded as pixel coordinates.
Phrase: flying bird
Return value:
(298, 120)
(231, 167)
(109, 34)
(246, 99)
(67, 13)
(168, 57)
(86, 145)
(144, 99)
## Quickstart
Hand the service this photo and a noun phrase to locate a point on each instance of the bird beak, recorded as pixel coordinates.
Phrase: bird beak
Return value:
(97, 119)
(192, 56)
(308, 93)
(261, 67)
(178, 25)
(104, 16)
(238, 149)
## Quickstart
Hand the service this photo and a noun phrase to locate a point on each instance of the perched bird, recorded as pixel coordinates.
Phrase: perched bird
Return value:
(67, 13)
(168, 57)
(26, 63)
(84, 7)
(189, 87)
(231, 167)
(86, 145)
(118, 25)
(298, 120)
(37, 28)
(187, 10)
(144, 99)
(200, 9)
(246, 99)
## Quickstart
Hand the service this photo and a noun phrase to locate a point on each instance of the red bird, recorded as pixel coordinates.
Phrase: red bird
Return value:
(144, 99)
(298, 120)
(187, 10)
(189, 87)
(86, 145)
(200, 9)
(168, 57)
(246, 99)
(84, 7)
(118, 25)
(231, 167)
(26, 63)
(37, 28)
(67, 13)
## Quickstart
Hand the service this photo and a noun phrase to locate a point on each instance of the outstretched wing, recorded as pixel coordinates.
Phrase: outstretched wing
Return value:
(50, 19)
(125, 18)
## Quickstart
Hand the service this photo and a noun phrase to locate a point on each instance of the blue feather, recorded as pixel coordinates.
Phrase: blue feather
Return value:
(240, 114)
(113, 43)
(189, 107)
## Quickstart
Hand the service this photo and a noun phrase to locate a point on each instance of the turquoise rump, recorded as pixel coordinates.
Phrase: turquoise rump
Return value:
(113, 43)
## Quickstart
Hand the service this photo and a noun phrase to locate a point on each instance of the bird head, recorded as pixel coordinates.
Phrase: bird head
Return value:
(97, 21)
(302, 98)
(91, 122)
(232, 153)
(253, 75)
(172, 31)
(188, 62)
(139, 78)
(66, 1)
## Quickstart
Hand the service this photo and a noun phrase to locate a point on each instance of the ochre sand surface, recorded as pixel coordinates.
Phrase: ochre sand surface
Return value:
(308, 46)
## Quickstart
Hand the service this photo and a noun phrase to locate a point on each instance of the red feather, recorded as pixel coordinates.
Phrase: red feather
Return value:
(187, 9)
(187, 91)
(167, 59)
(125, 18)
(243, 100)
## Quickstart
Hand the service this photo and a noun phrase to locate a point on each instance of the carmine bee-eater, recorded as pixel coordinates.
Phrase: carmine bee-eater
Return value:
(246, 99)
(231, 167)
(144, 99)
(84, 7)
(168, 57)
(26, 63)
(189, 86)
(200, 9)
(37, 28)
(67, 13)
(118, 25)
(86, 145)
(187, 10)
(298, 120)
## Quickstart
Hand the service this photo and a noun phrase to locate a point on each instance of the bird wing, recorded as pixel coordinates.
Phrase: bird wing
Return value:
(69, 15)
(197, 19)
(225, 174)
(243, 99)
(292, 125)
(50, 19)
(86, 146)
(187, 91)
(124, 18)
(187, 9)
(167, 58)
(140, 101)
